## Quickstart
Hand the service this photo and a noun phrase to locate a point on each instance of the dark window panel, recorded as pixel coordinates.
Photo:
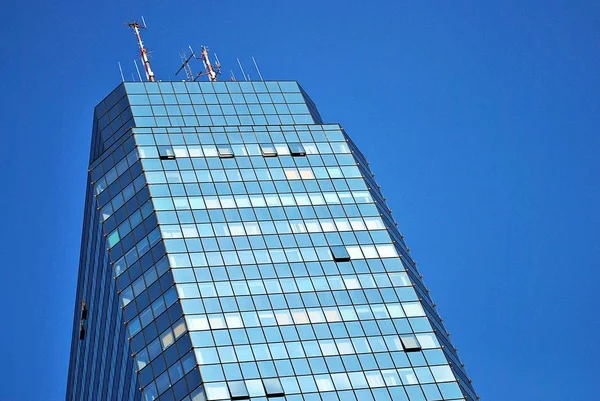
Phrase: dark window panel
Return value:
(166, 152)
(296, 149)
(340, 254)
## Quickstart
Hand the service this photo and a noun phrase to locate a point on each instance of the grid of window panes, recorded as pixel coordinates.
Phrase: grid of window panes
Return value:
(100, 363)
(157, 333)
(192, 104)
(289, 281)
(253, 256)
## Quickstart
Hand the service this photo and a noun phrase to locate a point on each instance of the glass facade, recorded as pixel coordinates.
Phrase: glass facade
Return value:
(236, 247)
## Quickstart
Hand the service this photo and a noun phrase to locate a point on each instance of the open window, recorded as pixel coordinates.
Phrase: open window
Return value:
(296, 149)
(410, 343)
(238, 390)
(84, 310)
(273, 387)
(268, 150)
(225, 151)
(340, 254)
(166, 152)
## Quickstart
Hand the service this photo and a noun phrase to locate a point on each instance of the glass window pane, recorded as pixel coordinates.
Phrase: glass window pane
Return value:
(225, 151)
(340, 254)
(273, 387)
(296, 149)
(268, 150)
(410, 343)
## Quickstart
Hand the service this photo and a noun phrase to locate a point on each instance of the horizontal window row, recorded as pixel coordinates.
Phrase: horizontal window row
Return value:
(207, 87)
(380, 328)
(393, 379)
(226, 243)
(207, 355)
(381, 270)
(285, 317)
(173, 109)
(264, 200)
(240, 390)
(246, 228)
(272, 174)
(288, 255)
(243, 168)
(219, 184)
(193, 121)
(215, 237)
(207, 288)
(216, 99)
(261, 149)
(277, 134)
(257, 201)
(224, 151)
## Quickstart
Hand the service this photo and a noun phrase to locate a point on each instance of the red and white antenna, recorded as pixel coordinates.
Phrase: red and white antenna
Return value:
(143, 53)
(209, 70)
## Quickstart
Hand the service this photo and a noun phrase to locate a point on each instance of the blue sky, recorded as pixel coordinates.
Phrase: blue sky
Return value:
(480, 120)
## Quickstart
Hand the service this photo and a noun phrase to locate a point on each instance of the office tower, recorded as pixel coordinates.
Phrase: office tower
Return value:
(235, 246)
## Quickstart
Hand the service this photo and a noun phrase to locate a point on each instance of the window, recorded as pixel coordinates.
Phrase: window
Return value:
(84, 310)
(273, 388)
(81, 331)
(166, 152)
(225, 151)
(410, 343)
(340, 254)
(268, 150)
(296, 149)
(238, 390)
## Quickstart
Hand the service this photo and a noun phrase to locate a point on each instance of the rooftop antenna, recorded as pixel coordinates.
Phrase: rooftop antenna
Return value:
(242, 68)
(208, 68)
(186, 64)
(121, 71)
(143, 53)
(257, 69)
(138, 70)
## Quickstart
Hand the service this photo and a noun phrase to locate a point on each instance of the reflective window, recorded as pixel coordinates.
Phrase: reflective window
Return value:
(225, 151)
(166, 152)
(410, 343)
(273, 387)
(268, 150)
(296, 149)
(238, 390)
(340, 254)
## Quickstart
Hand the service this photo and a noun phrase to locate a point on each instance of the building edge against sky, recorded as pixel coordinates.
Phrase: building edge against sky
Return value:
(234, 246)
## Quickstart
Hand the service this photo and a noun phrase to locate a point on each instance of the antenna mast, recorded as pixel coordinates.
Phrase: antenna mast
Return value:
(143, 53)
(212, 74)
(186, 64)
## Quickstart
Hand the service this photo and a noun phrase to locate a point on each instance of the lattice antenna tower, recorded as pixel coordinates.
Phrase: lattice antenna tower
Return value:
(185, 64)
(136, 26)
